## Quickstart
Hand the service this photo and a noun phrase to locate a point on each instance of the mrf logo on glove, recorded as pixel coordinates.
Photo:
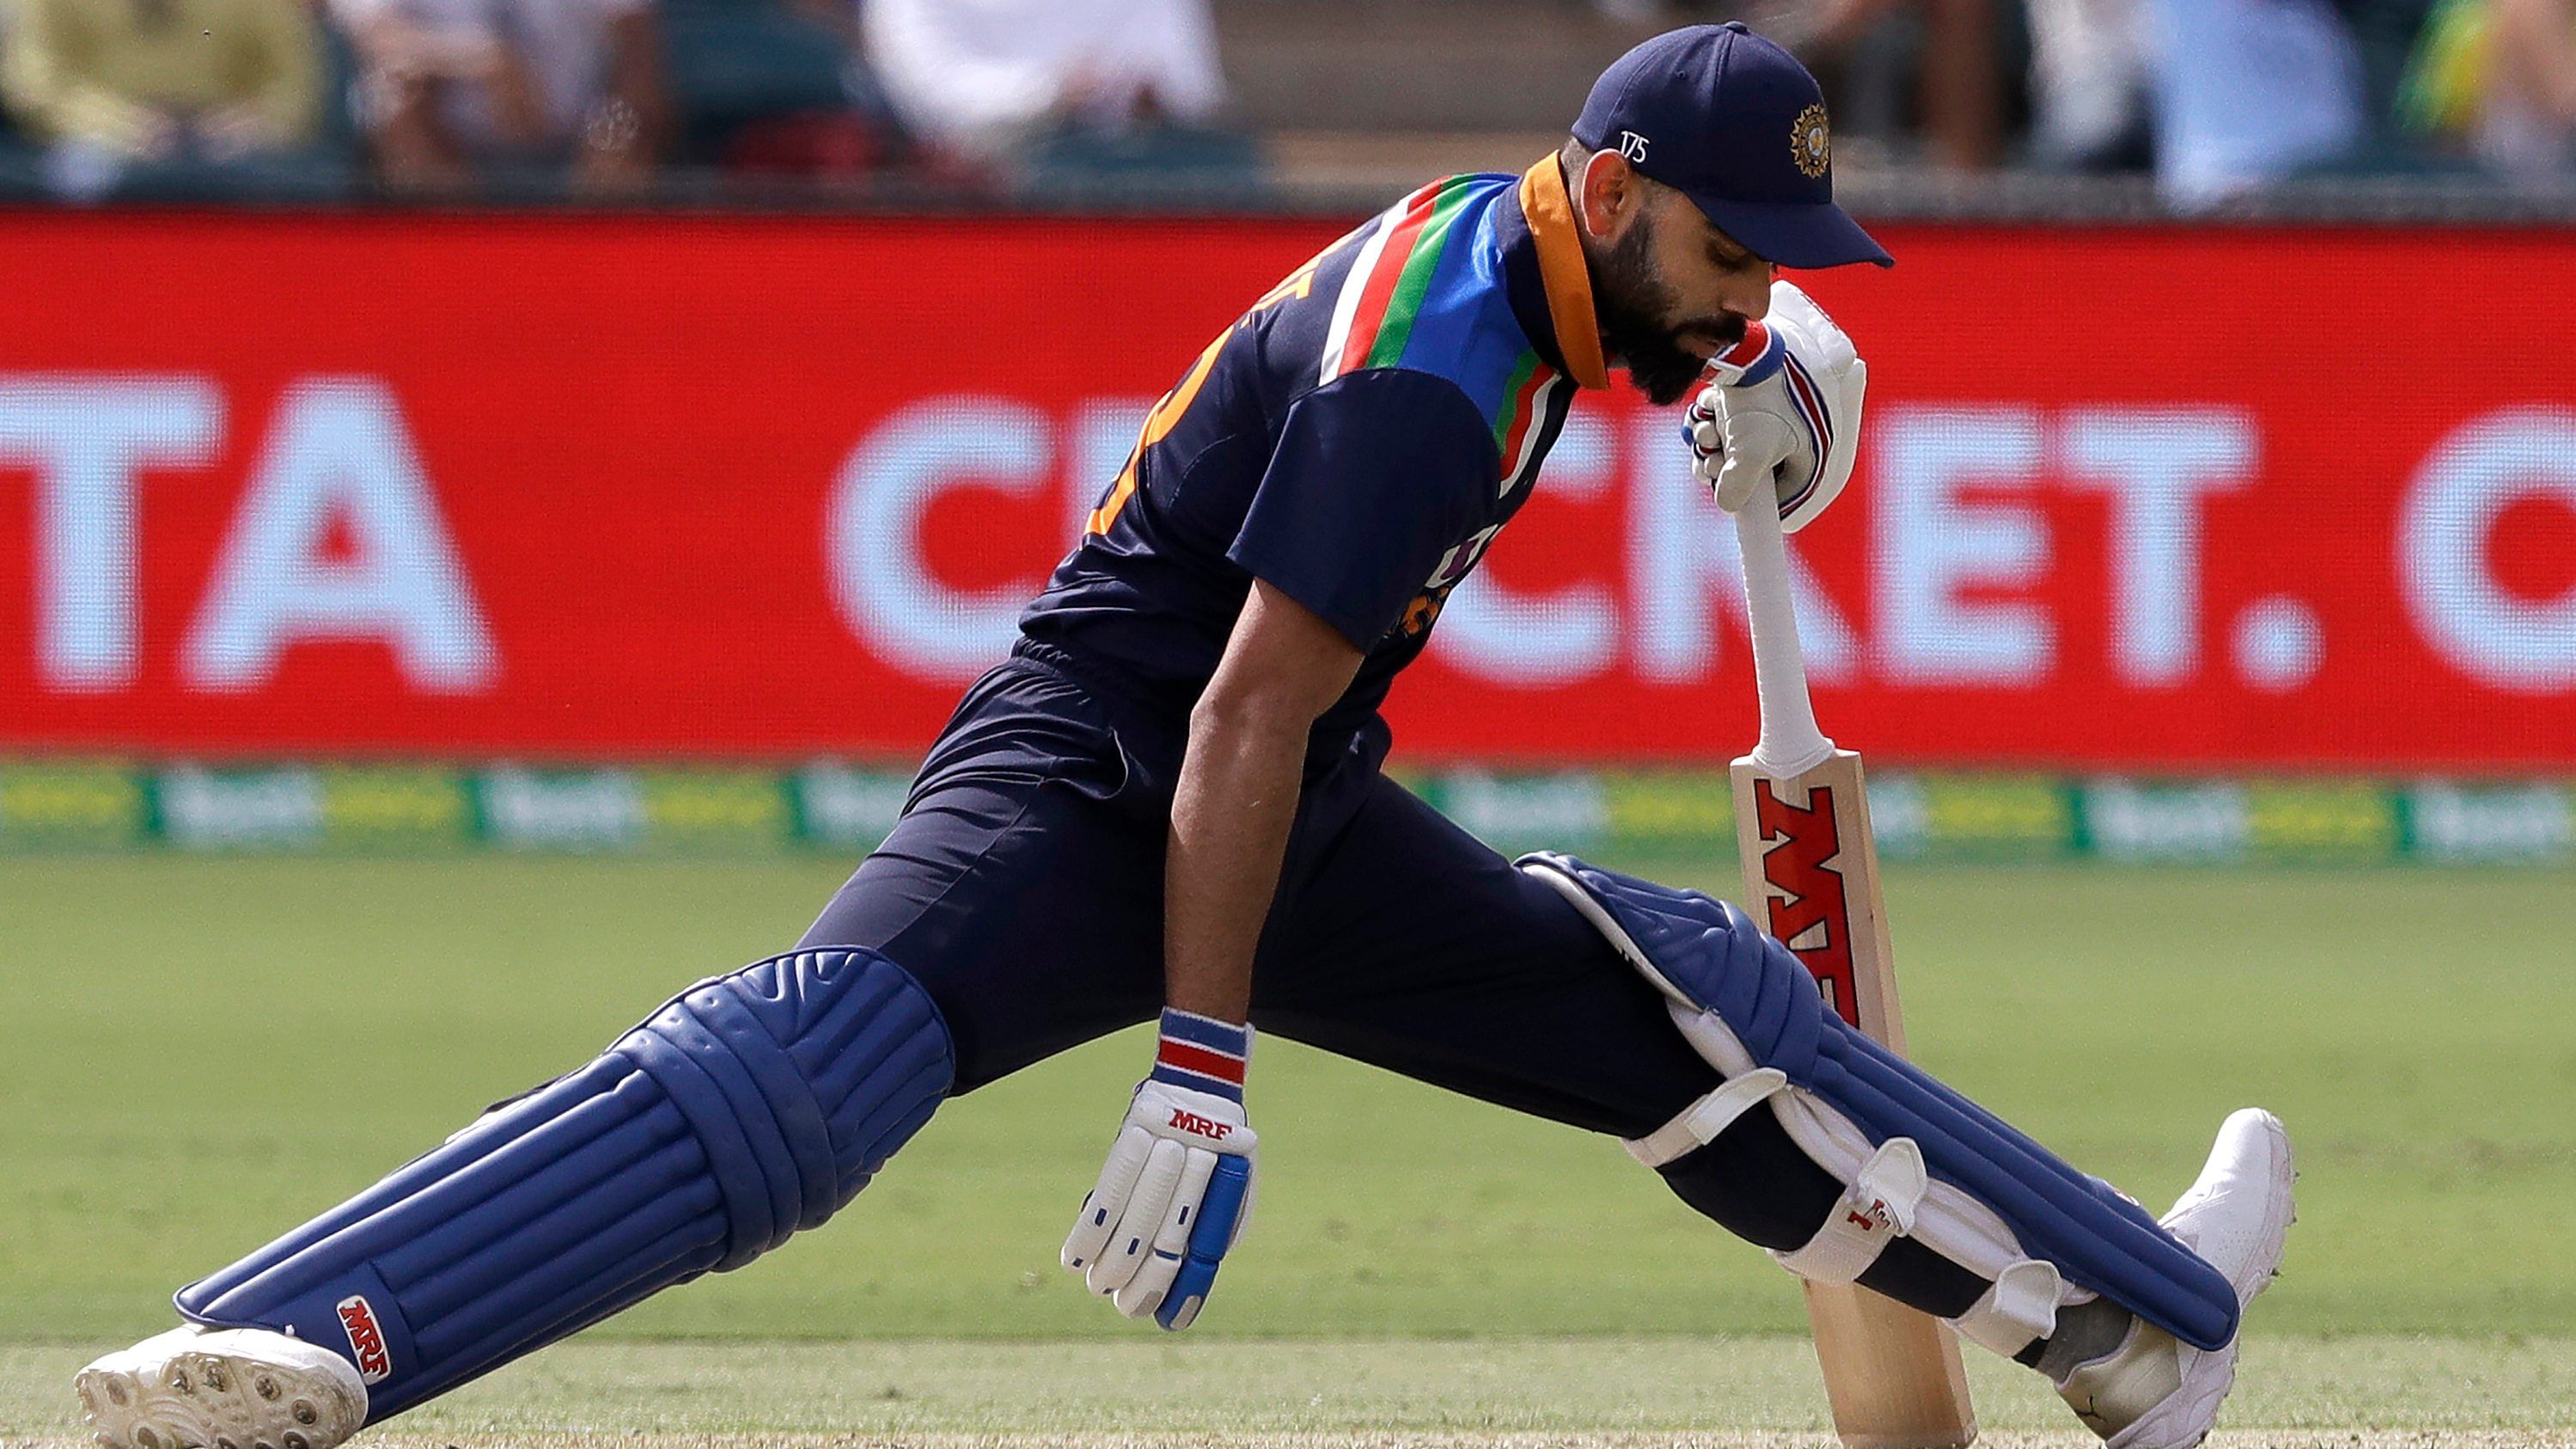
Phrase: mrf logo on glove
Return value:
(1185, 1120)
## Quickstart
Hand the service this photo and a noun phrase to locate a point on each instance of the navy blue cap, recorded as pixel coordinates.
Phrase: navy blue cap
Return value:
(1733, 122)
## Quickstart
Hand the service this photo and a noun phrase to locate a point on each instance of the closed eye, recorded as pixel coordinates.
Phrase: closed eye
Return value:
(1736, 259)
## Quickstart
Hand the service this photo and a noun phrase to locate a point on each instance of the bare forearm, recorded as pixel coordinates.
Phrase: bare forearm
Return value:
(2536, 46)
(636, 91)
(412, 148)
(1231, 815)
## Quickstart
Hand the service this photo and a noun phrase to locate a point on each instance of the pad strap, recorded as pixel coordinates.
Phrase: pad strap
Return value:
(2020, 1308)
(1701, 1121)
(1879, 1206)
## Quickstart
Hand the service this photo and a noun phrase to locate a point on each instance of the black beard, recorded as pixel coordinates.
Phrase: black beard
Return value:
(1631, 303)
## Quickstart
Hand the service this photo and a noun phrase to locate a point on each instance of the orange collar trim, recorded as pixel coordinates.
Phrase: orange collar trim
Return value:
(1550, 213)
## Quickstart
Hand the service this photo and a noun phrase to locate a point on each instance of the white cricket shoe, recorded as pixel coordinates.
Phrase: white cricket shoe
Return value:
(2155, 1391)
(222, 1388)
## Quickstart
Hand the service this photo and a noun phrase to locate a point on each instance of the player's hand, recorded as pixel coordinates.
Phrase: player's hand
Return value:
(1175, 1192)
(1781, 414)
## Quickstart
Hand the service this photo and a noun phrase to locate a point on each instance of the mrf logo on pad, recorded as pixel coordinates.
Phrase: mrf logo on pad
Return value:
(1876, 1218)
(366, 1340)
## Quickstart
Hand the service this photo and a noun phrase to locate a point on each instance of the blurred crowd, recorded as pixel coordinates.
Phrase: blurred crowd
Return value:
(612, 98)
(2217, 98)
(590, 98)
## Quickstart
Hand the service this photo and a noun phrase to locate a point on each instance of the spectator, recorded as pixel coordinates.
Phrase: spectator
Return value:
(2248, 92)
(1956, 73)
(452, 89)
(979, 76)
(107, 84)
(2527, 122)
(2088, 85)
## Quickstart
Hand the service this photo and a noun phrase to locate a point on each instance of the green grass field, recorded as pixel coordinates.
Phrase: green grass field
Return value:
(207, 1051)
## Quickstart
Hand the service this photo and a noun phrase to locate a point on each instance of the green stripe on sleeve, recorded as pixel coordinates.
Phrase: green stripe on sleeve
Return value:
(1510, 411)
(1414, 282)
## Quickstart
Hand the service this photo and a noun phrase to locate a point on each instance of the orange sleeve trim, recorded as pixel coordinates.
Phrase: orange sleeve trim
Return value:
(1560, 268)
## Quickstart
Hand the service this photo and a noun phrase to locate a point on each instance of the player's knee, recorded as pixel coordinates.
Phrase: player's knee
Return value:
(799, 1076)
(1756, 1183)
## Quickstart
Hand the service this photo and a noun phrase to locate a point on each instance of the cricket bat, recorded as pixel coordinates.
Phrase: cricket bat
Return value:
(1811, 879)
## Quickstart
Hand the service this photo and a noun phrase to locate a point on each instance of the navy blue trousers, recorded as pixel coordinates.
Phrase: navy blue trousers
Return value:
(1023, 887)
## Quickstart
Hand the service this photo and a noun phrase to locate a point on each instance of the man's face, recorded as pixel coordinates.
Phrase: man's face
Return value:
(1671, 291)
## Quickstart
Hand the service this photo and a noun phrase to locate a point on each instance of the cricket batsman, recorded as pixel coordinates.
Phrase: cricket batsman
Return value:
(1168, 801)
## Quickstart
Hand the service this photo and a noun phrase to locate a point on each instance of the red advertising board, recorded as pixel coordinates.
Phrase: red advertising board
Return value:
(770, 487)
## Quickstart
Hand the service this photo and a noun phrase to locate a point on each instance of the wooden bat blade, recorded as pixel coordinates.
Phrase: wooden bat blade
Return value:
(1892, 1375)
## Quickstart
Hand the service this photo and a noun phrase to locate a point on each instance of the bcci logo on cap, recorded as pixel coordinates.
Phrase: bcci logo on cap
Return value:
(1811, 142)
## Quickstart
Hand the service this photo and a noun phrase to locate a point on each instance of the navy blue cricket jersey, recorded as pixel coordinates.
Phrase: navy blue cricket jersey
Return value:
(1356, 439)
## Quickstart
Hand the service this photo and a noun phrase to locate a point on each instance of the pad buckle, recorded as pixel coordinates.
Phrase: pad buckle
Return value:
(2020, 1308)
(1877, 1207)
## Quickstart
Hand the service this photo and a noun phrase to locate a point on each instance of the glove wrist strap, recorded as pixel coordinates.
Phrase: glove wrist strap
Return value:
(1202, 1054)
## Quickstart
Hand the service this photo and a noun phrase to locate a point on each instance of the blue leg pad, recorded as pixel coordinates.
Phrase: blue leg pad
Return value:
(747, 1108)
(1709, 954)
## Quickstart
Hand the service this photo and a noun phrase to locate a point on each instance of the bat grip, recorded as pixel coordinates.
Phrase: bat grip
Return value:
(1791, 743)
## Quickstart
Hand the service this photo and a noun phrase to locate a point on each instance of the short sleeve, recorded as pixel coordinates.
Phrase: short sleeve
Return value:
(1376, 476)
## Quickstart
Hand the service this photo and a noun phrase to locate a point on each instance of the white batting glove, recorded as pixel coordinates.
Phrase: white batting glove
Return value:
(1781, 412)
(1178, 1186)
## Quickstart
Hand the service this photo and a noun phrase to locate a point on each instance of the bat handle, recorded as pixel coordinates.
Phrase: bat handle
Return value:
(1791, 743)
